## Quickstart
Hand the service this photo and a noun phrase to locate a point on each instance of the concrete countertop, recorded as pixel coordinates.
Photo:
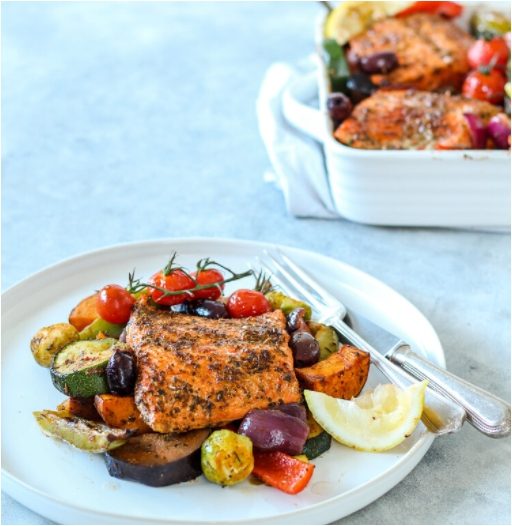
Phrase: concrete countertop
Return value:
(131, 121)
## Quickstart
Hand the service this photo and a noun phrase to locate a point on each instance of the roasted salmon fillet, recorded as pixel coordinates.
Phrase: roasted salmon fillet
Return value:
(195, 372)
(431, 51)
(409, 119)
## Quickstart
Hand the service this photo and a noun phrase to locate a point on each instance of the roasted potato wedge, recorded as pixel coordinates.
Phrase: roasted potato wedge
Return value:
(342, 375)
(82, 407)
(48, 341)
(84, 313)
(120, 412)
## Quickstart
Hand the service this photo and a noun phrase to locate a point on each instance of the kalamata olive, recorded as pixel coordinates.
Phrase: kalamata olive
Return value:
(306, 350)
(379, 63)
(339, 107)
(295, 321)
(209, 309)
(360, 87)
(121, 372)
(181, 308)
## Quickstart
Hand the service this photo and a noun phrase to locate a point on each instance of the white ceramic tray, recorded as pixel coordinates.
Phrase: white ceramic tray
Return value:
(72, 487)
(464, 188)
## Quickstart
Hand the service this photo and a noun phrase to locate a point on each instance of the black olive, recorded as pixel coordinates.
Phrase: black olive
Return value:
(306, 350)
(360, 87)
(339, 107)
(209, 309)
(379, 63)
(182, 308)
(295, 321)
(121, 373)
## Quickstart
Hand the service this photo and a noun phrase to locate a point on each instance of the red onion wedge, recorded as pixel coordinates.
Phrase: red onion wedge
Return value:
(296, 410)
(477, 130)
(499, 130)
(272, 430)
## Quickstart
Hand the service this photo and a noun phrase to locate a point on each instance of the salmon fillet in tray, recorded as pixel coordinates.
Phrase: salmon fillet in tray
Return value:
(196, 372)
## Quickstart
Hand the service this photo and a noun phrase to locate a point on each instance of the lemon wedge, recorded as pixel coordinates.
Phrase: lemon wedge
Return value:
(375, 421)
(349, 19)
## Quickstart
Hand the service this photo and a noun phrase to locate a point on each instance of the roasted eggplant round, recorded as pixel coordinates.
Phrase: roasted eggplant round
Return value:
(156, 459)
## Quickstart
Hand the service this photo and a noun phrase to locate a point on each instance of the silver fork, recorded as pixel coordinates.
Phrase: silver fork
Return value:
(442, 414)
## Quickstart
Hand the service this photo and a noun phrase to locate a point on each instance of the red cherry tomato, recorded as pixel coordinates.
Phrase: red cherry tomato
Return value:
(485, 52)
(175, 280)
(114, 304)
(446, 9)
(245, 302)
(485, 86)
(205, 277)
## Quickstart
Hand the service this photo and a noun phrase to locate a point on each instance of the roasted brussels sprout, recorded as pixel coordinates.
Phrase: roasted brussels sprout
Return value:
(278, 300)
(326, 337)
(485, 23)
(226, 457)
(48, 341)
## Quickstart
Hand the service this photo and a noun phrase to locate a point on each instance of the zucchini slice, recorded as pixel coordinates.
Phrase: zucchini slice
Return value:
(80, 433)
(79, 369)
(112, 330)
(317, 445)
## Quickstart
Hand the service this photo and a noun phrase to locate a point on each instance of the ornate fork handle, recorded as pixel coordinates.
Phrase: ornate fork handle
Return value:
(486, 412)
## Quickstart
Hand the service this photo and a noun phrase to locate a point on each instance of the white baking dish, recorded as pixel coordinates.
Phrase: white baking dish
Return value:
(463, 188)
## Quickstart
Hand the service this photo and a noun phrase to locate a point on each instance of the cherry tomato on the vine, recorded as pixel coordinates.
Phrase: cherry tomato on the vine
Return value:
(174, 281)
(246, 302)
(488, 86)
(492, 52)
(114, 304)
(206, 277)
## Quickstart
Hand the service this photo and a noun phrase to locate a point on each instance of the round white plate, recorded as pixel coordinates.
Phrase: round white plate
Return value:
(70, 486)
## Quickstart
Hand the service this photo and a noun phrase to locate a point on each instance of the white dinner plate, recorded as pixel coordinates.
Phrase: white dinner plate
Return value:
(70, 486)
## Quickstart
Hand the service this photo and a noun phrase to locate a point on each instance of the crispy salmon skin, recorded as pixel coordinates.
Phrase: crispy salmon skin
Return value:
(409, 119)
(431, 51)
(195, 372)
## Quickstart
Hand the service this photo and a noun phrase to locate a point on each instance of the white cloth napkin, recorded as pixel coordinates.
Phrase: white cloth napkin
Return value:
(297, 160)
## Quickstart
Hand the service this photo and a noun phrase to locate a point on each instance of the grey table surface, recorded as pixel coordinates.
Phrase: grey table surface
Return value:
(131, 121)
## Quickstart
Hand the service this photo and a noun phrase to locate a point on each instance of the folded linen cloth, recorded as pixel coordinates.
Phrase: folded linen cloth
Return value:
(298, 161)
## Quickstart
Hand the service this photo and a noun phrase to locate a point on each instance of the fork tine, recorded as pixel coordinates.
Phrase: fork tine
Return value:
(306, 292)
(286, 284)
(316, 288)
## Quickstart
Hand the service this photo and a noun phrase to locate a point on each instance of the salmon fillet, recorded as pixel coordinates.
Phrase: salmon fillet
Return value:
(409, 119)
(195, 372)
(431, 51)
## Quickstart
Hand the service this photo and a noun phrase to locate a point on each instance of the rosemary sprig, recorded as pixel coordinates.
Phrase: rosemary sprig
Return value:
(263, 283)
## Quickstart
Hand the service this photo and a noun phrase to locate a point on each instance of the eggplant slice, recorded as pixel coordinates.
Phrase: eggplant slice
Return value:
(157, 459)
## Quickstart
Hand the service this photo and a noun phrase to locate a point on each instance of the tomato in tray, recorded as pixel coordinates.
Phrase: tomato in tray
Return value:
(485, 85)
(493, 53)
(207, 277)
(114, 304)
(446, 9)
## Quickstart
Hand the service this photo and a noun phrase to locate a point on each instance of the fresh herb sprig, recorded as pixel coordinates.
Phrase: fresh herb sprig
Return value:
(263, 283)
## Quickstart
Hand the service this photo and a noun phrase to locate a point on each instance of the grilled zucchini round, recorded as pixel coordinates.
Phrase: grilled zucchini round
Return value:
(78, 370)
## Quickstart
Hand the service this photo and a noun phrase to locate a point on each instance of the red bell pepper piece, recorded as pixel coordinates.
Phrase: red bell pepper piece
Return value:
(447, 9)
(282, 471)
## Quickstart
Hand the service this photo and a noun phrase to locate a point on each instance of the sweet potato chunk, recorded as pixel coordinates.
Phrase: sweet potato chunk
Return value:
(342, 375)
(84, 313)
(82, 407)
(120, 411)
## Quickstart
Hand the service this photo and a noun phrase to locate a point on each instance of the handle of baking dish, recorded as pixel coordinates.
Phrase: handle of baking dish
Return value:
(298, 113)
